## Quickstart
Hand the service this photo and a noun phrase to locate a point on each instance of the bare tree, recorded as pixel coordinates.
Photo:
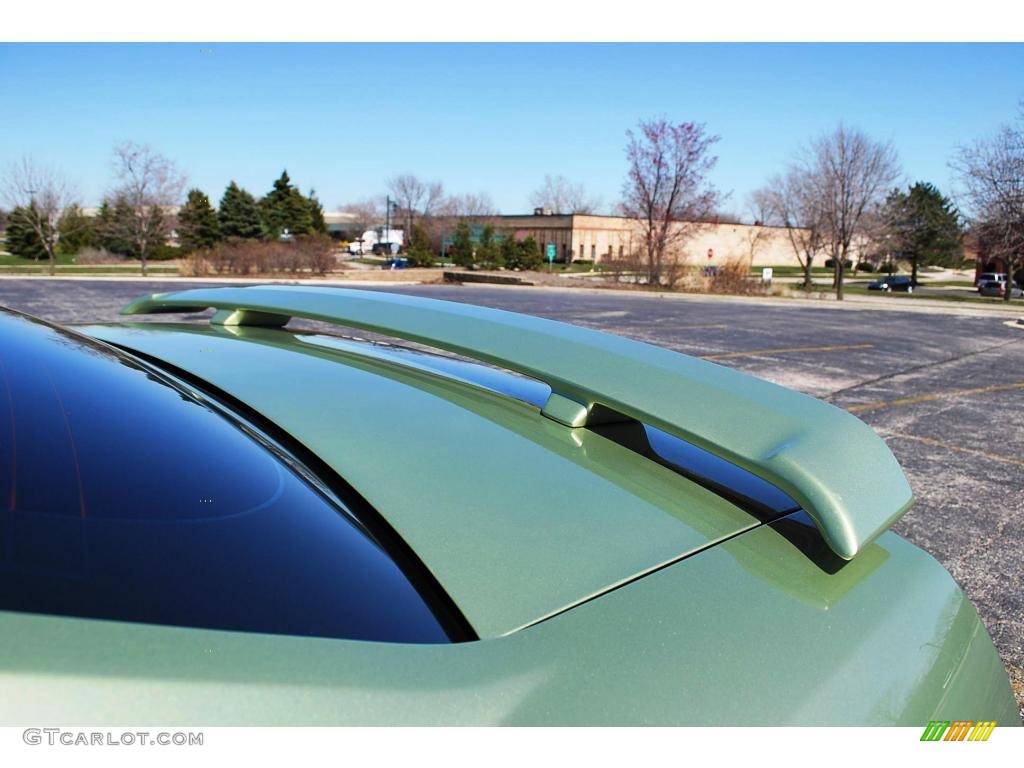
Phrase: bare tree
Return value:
(791, 202)
(433, 200)
(991, 172)
(408, 191)
(366, 214)
(878, 240)
(416, 198)
(149, 184)
(667, 185)
(562, 196)
(479, 204)
(849, 174)
(37, 197)
(755, 237)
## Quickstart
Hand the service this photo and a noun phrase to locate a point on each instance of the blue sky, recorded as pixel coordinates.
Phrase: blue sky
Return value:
(486, 117)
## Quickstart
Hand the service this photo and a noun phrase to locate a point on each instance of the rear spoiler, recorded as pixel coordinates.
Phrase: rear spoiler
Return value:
(830, 462)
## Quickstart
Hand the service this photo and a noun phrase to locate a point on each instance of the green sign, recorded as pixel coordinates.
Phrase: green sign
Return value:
(551, 252)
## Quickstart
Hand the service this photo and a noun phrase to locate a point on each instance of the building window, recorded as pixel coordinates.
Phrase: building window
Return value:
(593, 253)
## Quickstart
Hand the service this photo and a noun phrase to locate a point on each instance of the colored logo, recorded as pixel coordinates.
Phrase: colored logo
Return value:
(958, 730)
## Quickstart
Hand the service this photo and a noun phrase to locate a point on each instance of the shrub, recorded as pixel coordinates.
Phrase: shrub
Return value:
(734, 277)
(305, 253)
(97, 256)
(164, 252)
(196, 264)
(617, 267)
(528, 254)
(831, 264)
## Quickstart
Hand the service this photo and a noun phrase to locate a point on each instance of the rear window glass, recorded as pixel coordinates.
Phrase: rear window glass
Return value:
(122, 497)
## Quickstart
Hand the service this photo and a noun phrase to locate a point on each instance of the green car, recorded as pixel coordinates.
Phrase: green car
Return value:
(235, 522)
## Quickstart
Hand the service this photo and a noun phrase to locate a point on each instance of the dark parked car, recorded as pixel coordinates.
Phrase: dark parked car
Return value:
(892, 283)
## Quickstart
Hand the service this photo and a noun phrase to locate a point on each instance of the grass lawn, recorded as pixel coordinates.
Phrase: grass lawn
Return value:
(574, 267)
(7, 259)
(43, 268)
(790, 271)
(972, 299)
(947, 283)
(66, 265)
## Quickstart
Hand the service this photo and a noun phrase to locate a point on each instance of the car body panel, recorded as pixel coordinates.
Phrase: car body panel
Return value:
(716, 639)
(517, 517)
(605, 588)
(783, 436)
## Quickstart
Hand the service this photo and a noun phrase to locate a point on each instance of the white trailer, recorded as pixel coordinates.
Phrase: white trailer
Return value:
(379, 242)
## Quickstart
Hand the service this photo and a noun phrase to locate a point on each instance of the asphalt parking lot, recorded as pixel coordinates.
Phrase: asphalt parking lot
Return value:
(945, 390)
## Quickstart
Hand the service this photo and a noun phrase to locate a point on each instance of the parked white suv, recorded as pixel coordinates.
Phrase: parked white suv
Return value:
(990, 277)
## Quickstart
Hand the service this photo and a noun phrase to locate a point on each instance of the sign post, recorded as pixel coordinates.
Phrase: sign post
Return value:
(551, 255)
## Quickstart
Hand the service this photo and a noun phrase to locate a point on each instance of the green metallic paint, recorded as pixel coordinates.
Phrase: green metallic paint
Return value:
(712, 640)
(518, 517)
(565, 411)
(247, 317)
(785, 437)
(700, 615)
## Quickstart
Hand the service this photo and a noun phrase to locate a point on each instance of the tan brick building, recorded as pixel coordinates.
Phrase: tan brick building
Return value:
(579, 237)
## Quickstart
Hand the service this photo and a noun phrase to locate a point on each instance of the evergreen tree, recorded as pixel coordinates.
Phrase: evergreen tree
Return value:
(285, 209)
(77, 231)
(23, 240)
(104, 225)
(461, 251)
(114, 227)
(488, 254)
(198, 226)
(316, 214)
(926, 227)
(239, 214)
(522, 254)
(530, 254)
(419, 251)
(509, 249)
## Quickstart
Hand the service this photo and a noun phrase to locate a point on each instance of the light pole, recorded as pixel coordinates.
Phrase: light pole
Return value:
(390, 204)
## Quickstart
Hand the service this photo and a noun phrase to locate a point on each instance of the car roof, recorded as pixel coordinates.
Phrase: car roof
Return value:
(516, 517)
